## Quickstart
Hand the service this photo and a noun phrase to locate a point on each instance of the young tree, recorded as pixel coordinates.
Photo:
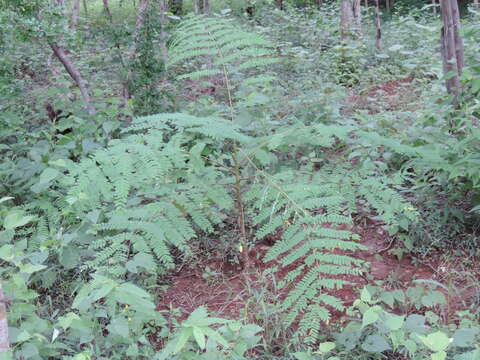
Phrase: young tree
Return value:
(279, 4)
(163, 7)
(378, 26)
(451, 46)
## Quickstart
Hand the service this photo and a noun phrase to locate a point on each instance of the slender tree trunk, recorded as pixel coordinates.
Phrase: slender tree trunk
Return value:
(366, 4)
(72, 70)
(106, 7)
(476, 3)
(387, 5)
(4, 342)
(279, 4)
(163, 36)
(142, 8)
(434, 7)
(451, 46)
(319, 3)
(346, 16)
(378, 26)
(357, 16)
(75, 12)
(197, 7)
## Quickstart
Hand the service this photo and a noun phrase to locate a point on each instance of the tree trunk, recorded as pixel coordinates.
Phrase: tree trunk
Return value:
(72, 70)
(75, 12)
(346, 16)
(206, 7)
(434, 7)
(279, 4)
(4, 342)
(197, 7)
(357, 15)
(378, 26)
(106, 7)
(142, 7)
(476, 3)
(387, 5)
(163, 36)
(451, 46)
(366, 5)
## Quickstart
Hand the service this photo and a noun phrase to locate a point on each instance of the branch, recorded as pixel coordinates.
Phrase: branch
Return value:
(72, 70)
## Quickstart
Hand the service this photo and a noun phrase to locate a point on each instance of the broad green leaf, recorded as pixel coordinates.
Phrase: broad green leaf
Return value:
(365, 295)
(370, 316)
(15, 219)
(465, 337)
(441, 355)
(326, 347)
(437, 341)
(199, 337)
(185, 334)
(394, 322)
(375, 344)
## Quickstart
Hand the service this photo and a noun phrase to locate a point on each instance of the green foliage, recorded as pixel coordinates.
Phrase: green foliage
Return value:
(197, 338)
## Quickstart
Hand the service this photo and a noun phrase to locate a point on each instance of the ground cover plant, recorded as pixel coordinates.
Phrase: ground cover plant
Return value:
(216, 179)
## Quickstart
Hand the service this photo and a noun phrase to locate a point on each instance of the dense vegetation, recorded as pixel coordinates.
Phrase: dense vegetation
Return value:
(239, 179)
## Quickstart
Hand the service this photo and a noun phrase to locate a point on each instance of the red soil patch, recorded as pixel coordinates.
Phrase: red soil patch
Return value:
(226, 294)
(393, 95)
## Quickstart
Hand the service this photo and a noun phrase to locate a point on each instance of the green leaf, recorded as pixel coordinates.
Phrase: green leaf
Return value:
(326, 347)
(394, 322)
(375, 344)
(370, 316)
(199, 337)
(182, 339)
(15, 219)
(465, 337)
(437, 341)
(303, 356)
(441, 355)
(365, 295)
(120, 327)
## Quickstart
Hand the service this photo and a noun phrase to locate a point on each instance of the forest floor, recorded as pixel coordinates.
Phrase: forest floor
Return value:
(231, 292)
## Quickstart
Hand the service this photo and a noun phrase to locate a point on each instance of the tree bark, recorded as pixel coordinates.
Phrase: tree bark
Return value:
(106, 7)
(163, 6)
(366, 4)
(434, 7)
(476, 3)
(72, 70)
(451, 46)
(357, 15)
(346, 15)
(279, 4)
(319, 3)
(4, 342)
(75, 12)
(378, 26)
(142, 8)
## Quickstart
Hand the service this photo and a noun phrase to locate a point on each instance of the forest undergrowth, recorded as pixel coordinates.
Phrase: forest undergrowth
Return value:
(249, 184)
